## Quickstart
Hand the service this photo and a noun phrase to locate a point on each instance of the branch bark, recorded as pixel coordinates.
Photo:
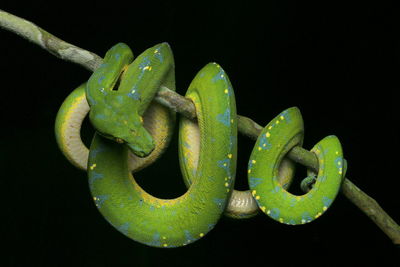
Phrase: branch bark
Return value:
(166, 97)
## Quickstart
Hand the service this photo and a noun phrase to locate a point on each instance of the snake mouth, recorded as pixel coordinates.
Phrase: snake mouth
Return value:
(109, 137)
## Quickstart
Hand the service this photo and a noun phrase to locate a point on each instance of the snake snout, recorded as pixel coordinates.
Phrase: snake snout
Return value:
(140, 151)
(140, 142)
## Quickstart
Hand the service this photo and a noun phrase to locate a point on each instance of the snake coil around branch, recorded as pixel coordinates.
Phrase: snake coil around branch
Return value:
(172, 100)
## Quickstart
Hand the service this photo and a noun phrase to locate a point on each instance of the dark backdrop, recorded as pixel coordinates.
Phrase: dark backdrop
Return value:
(337, 62)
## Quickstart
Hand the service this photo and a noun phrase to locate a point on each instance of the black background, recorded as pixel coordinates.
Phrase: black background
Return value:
(337, 62)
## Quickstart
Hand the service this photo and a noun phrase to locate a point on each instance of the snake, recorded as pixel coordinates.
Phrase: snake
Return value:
(133, 130)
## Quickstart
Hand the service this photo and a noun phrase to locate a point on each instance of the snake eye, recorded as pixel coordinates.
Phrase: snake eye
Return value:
(119, 140)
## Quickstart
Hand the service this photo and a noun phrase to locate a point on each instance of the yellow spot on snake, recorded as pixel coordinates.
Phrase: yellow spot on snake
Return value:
(268, 211)
(277, 122)
(318, 214)
(282, 118)
(257, 197)
(231, 120)
(165, 245)
(337, 152)
(259, 148)
(226, 90)
(201, 234)
(93, 166)
(263, 208)
(267, 134)
(281, 220)
(253, 192)
(147, 68)
(249, 171)
(141, 119)
(253, 161)
(226, 184)
(230, 156)
(325, 208)
(270, 127)
(164, 237)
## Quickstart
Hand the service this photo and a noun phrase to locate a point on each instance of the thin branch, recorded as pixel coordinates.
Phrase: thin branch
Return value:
(49, 42)
(166, 97)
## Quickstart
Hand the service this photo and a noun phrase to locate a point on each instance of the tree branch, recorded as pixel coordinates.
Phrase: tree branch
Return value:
(166, 97)
(49, 42)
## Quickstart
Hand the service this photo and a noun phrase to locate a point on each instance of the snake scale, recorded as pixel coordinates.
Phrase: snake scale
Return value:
(132, 131)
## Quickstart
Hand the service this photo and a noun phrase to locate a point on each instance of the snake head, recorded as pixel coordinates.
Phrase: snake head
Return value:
(123, 126)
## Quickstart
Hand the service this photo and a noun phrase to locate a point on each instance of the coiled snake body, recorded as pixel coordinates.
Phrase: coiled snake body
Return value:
(132, 132)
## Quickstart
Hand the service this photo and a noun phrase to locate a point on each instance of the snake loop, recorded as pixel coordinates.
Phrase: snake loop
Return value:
(283, 133)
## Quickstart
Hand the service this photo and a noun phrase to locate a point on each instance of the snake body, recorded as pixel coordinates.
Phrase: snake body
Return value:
(132, 131)
(175, 222)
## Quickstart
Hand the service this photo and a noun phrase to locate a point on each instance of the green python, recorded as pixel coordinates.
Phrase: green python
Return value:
(132, 131)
